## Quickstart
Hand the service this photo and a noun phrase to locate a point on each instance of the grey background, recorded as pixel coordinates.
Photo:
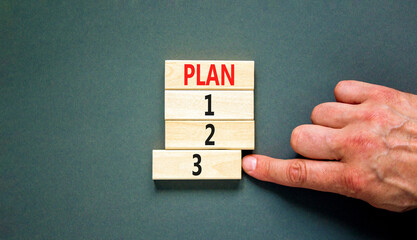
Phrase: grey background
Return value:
(81, 108)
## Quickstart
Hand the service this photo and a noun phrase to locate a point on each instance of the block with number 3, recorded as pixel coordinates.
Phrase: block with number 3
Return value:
(196, 164)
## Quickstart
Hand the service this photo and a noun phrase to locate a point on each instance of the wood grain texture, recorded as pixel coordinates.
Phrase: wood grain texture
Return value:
(193, 105)
(244, 75)
(194, 134)
(179, 164)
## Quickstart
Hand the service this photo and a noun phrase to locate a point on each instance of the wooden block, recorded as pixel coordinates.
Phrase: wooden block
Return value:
(196, 164)
(201, 105)
(191, 74)
(210, 134)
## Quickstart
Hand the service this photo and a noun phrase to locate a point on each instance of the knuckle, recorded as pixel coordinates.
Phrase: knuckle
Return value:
(374, 114)
(353, 183)
(381, 115)
(335, 145)
(388, 95)
(297, 172)
(360, 142)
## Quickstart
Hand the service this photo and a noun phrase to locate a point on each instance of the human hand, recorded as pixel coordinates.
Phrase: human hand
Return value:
(372, 133)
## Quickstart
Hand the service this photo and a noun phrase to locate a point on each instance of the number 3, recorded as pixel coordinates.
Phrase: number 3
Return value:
(197, 164)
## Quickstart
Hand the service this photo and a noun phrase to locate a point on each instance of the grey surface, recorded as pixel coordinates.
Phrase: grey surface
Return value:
(81, 108)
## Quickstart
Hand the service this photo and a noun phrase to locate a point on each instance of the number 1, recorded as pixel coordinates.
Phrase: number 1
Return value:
(209, 112)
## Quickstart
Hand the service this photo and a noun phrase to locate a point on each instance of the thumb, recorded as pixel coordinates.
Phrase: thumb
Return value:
(319, 175)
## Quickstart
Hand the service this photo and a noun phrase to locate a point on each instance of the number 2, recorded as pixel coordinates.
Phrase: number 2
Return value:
(208, 142)
(197, 164)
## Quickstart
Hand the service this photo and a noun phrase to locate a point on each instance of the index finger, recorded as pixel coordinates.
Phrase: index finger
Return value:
(327, 176)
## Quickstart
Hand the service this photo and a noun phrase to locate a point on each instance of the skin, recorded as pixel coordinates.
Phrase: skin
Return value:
(370, 133)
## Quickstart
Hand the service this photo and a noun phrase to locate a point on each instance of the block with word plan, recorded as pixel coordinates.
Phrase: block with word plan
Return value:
(209, 119)
(233, 75)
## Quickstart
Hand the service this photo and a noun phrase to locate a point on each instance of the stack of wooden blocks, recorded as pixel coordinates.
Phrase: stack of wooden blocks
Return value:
(209, 119)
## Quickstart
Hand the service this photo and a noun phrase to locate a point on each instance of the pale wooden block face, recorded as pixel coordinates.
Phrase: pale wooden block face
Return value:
(193, 74)
(202, 105)
(210, 135)
(196, 164)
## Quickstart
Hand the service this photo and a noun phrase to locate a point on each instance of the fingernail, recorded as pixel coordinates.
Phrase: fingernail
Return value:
(249, 163)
